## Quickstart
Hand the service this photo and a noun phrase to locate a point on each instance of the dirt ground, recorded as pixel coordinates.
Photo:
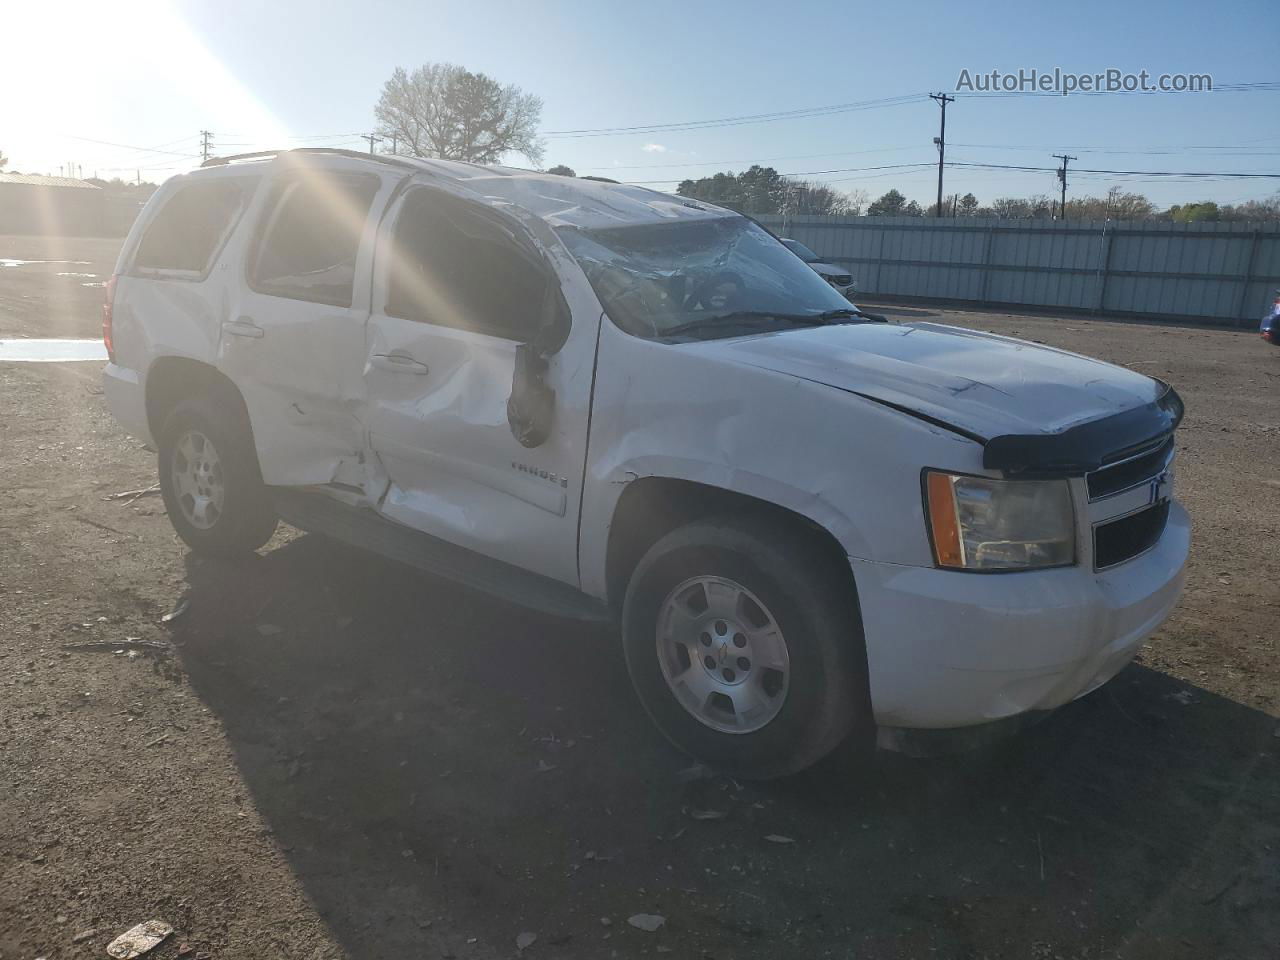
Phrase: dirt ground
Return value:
(338, 757)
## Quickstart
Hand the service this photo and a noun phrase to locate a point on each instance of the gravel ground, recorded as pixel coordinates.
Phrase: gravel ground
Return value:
(337, 757)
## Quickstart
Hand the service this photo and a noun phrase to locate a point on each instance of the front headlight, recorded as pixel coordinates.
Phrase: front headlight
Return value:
(982, 524)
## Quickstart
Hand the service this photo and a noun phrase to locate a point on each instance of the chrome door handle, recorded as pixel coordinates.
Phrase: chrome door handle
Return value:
(243, 327)
(399, 363)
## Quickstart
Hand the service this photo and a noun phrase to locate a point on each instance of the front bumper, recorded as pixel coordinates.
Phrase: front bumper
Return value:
(953, 649)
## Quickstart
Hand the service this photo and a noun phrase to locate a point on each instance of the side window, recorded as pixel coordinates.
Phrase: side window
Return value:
(310, 235)
(186, 233)
(456, 265)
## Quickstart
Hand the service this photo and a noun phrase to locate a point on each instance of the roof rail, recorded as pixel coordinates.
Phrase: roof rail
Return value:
(328, 151)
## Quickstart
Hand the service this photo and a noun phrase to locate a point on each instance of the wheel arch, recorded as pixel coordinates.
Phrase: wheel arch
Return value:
(651, 507)
(172, 379)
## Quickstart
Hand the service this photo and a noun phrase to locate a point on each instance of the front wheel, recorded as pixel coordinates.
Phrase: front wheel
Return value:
(210, 480)
(745, 646)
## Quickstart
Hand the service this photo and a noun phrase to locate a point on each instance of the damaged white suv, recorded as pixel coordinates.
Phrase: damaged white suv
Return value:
(606, 402)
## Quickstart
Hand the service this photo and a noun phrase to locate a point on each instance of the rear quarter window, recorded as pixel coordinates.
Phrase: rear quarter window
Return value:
(187, 232)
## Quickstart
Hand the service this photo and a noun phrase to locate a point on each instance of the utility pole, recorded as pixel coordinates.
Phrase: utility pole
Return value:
(395, 145)
(206, 143)
(372, 138)
(1062, 175)
(941, 141)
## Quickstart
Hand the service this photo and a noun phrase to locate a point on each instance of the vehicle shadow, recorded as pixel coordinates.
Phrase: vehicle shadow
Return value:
(438, 766)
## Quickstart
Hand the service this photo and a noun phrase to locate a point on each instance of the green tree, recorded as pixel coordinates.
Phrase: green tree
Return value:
(1206, 211)
(889, 204)
(443, 110)
(967, 206)
(560, 170)
(760, 189)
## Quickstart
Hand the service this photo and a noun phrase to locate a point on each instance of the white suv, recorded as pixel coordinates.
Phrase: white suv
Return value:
(611, 403)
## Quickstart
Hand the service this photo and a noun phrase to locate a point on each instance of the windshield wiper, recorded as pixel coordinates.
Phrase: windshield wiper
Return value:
(752, 317)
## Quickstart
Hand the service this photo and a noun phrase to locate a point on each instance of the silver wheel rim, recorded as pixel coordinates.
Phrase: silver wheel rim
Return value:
(198, 481)
(723, 655)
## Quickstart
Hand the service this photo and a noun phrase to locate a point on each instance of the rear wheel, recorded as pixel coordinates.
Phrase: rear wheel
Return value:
(745, 646)
(209, 477)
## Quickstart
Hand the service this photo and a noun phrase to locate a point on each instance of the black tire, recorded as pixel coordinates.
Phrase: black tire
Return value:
(247, 518)
(813, 604)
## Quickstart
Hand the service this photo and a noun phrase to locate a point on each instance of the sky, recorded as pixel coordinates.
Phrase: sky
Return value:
(124, 88)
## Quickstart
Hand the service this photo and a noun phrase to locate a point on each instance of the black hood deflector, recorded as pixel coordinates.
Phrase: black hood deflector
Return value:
(1088, 446)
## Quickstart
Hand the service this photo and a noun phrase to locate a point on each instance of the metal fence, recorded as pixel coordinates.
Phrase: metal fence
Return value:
(1220, 272)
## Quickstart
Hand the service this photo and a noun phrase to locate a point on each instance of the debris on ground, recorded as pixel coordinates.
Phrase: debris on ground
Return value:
(544, 767)
(179, 608)
(128, 496)
(648, 922)
(139, 940)
(707, 814)
(128, 643)
(269, 629)
(699, 771)
(779, 838)
(84, 935)
(525, 940)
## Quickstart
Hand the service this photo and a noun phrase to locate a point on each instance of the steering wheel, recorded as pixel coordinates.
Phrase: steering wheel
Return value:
(725, 286)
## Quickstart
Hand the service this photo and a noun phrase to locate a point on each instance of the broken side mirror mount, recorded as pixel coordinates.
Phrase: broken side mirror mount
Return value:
(532, 404)
(531, 407)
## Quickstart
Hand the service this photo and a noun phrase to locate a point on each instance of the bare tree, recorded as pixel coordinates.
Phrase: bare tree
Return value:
(3, 160)
(445, 111)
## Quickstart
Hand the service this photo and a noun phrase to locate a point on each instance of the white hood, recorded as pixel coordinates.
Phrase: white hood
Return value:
(984, 384)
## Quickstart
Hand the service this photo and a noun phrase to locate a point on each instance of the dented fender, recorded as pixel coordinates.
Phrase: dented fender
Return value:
(686, 412)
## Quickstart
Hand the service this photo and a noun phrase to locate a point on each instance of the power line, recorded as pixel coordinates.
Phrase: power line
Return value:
(759, 160)
(811, 173)
(1159, 151)
(1141, 173)
(797, 114)
(130, 146)
(805, 112)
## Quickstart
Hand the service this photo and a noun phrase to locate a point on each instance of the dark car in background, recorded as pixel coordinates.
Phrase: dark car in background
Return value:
(1270, 328)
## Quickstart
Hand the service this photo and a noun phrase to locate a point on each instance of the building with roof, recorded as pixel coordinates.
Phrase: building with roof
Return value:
(52, 206)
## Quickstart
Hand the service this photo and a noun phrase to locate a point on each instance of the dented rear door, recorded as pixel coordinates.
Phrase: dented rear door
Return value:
(292, 333)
